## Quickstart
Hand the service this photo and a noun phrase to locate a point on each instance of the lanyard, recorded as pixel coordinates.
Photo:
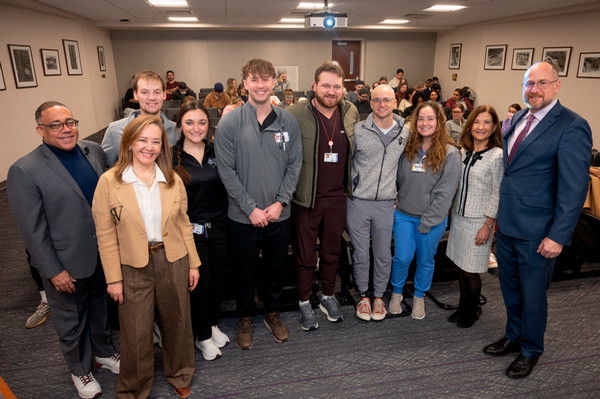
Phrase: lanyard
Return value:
(330, 139)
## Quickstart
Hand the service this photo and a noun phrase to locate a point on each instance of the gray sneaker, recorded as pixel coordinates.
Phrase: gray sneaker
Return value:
(308, 321)
(40, 316)
(332, 310)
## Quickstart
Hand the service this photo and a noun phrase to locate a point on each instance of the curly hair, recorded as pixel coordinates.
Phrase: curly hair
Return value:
(440, 139)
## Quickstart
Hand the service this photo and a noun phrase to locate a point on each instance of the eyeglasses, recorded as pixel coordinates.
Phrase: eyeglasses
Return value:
(58, 126)
(542, 84)
(386, 100)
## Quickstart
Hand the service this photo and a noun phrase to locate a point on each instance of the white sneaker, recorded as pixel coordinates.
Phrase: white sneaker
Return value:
(87, 386)
(112, 363)
(219, 337)
(209, 349)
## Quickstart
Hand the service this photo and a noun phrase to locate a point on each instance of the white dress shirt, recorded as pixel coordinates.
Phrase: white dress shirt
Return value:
(149, 201)
(537, 117)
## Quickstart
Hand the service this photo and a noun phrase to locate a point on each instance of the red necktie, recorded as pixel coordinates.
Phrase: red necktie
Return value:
(520, 138)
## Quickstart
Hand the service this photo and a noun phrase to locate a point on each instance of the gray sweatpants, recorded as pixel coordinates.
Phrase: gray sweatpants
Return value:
(371, 219)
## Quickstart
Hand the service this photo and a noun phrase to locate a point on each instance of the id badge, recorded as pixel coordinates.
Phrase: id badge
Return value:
(198, 228)
(418, 167)
(331, 157)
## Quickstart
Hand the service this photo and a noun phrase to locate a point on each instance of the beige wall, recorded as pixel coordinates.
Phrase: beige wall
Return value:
(201, 58)
(502, 88)
(93, 99)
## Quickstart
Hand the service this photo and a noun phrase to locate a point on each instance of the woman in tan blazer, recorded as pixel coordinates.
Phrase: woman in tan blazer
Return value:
(149, 258)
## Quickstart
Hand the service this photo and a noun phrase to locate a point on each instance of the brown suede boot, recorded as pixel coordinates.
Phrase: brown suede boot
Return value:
(244, 333)
(277, 328)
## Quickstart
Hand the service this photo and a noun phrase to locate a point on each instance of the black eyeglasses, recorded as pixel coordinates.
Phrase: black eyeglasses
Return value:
(58, 126)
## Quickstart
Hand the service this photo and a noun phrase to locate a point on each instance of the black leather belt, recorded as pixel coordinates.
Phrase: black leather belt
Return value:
(155, 247)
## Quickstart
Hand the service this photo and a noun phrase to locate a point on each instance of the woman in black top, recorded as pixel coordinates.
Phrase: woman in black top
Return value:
(194, 160)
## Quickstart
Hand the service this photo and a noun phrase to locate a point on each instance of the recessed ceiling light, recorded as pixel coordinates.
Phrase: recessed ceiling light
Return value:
(445, 8)
(292, 20)
(168, 3)
(395, 21)
(312, 6)
(183, 19)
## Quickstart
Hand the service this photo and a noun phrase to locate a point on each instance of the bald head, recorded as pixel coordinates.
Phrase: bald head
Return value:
(383, 102)
(540, 85)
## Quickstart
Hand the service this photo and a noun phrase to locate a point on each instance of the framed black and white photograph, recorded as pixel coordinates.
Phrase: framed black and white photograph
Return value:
(72, 57)
(2, 84)
(454, 61)
(22, 63)
(522, 58)
(101, 59)
(559, 56)
(589, 65)
(50, 62)
(495, 57)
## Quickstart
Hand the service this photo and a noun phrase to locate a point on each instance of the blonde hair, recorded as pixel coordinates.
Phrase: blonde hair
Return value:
(130, 135)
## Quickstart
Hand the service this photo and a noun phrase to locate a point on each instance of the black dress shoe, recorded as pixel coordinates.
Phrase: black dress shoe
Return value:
(521, 367)
(502, 347)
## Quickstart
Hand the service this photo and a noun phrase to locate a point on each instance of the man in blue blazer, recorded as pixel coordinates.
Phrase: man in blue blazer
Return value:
(50, 191)
(546, 161)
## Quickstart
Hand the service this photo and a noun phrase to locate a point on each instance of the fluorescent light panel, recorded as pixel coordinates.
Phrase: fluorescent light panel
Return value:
(183, 19)
(292, 20)
(445, 8)
(395, 21)
(311, 6)
(168, 3)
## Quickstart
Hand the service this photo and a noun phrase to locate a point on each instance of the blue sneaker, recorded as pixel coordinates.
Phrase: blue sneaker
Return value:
(330, 307)
(308, 321)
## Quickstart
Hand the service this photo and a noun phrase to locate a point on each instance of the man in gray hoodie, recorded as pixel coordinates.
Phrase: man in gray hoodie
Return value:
(378, 144)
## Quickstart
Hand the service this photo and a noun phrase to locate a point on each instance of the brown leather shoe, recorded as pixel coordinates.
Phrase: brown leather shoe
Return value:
(183, 392)
(277, 328)
(244, 333)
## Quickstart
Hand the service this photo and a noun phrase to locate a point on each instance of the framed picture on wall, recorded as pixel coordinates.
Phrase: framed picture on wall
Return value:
(495, 57)
(50, 62)
(559, 56)
(22, 63)
(454, 60)
(72, 57)
(101, 59)
(522, 58)
(589, 65)
(2, 84)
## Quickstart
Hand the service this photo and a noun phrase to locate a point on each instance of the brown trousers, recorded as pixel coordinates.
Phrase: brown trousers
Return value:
(163, 286)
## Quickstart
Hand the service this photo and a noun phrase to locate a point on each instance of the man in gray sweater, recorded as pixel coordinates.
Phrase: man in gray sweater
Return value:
(259, 155)
(378, 144)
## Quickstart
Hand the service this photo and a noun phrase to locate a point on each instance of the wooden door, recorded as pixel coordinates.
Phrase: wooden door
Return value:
(347, 54)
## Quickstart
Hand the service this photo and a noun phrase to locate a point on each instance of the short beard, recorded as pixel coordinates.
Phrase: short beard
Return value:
(321, 101)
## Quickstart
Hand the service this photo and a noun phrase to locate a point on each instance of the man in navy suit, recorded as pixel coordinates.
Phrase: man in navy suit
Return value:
(546, 161)
(50, 191)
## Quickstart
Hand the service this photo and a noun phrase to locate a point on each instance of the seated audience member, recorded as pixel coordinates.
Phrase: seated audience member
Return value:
(435, 97)
(352, 96)
(512, 109)
(455, 126)
(438, 89)
(182, 92)
(289, 98)
(236, 101)
(427, 89)
(459, 98)
(281, 82)
(375, 84)
(404, 96)
(397, 79)
(217, 98)
(382, 81)
(187, 99)
(242, 92)
(363, 105)
(129, 101)
(231, 87)
(416, 99)
(171, 85)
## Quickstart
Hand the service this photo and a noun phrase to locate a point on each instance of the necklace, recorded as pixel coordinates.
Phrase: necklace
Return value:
(147, 181)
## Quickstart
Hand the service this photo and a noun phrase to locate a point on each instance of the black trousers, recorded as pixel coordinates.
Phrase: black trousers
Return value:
(205, 300)
(247, 242)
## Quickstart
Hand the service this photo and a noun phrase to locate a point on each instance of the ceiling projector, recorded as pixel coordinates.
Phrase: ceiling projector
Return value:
(328, 20)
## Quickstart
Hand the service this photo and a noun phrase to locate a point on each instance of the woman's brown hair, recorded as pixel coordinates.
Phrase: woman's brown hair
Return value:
(131, 134)
(466, 138)
(439, 141)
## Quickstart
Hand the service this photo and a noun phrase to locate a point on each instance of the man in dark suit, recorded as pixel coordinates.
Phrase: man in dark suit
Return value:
(50, 191)
(546, 162)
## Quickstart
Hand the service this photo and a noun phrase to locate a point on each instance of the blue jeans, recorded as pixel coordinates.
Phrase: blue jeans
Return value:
(407, 241)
